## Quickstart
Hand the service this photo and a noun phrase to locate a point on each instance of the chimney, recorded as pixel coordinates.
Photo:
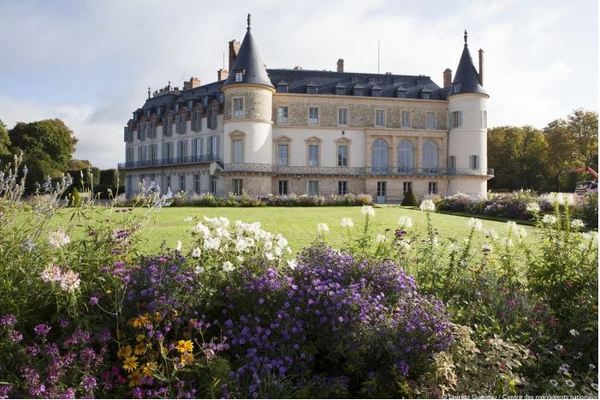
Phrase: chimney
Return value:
(234, 48)
(481, 67)
(222, 74)
(192, 83)
(447, 78)
(340, 65)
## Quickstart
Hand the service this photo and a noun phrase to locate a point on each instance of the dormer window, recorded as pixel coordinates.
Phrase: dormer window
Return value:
(239, 76)
(376, 91)
(177, 107)
(359, 91)
(282, 87)
(311, 89)
(425, 94)
(401, 93)
(340, 90)
(190, 104)
(158, 111)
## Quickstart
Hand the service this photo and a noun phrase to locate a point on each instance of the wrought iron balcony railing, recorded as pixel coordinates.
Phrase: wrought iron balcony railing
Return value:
(165, 162)
(401, 171)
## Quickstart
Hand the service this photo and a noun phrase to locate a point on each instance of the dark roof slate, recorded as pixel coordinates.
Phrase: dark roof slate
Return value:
(466, 79)
(250, 63)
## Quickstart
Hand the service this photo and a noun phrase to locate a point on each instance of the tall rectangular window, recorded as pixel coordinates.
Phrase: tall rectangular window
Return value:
(406, 187)
(381, 188)
(313, 115)
(238, 151)
(313, 155)
(282, 115)
(213, 185)
(342, 116)
(474, 162)
(406, 119)
(282, 154)
(342, 156)
(197, 183)
(313, 188)
(238, 106)
(433, 187)
(283, 188)
(430, 122)
(238, 186)
(452, 162)
(342, 187)
(380, 118)
(182, 183)
(456, 119)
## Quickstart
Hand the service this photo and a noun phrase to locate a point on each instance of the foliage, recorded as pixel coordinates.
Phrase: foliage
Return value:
(4, 141)
(409, 198)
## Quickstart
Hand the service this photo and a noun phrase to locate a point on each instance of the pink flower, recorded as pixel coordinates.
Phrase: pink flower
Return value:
(51, 273)
(70, 281)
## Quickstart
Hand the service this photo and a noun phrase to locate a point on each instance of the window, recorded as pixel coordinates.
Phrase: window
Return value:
(282, 115)
(213, 112)
(167, 126)
(213, 185)
(168, 151)
(313, 115)
(433, 188)
(379, 118)
(379, 157)
(196, 121)
(129, 186)
(313, 188)
(167, 183)
(342, 156)
(406, 156)
(313, 155)
(452, 163)
(425, 95)
(343, 116)
(406, 119)
(153, 156)
(381, 188)
(238, 151)
(197, 183)
(239, 76)
(474, 162)
(213, 147)
(456, 119)
(182, 150)
(282, 154)
(238, 186)
(342, 187)
(182, 183)
(430, 120)
(180, 123)
(128, 155)
(283, 188)
(406, 187)
(430, 156)
(238, 107)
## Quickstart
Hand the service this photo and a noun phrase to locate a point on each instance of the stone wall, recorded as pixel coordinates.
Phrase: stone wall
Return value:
(257, 103)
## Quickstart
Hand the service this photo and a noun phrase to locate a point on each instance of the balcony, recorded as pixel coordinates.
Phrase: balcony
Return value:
(168, 162)
(400, 171)
(293, 170)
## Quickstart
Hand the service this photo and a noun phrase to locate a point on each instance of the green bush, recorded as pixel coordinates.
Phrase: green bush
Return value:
(409, 198)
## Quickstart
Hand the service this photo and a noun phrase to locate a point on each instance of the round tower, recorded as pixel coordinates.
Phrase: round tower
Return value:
(467, 140)
(247, 121)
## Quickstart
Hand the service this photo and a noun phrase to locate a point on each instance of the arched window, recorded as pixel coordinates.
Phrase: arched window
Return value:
(379, 156)
(406, 156)
(430, 156)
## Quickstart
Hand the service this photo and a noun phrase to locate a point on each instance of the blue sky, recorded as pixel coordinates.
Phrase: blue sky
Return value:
(90, 62)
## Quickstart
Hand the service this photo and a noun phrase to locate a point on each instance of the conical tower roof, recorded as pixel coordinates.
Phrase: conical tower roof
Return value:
(466, 79)
(249, 63)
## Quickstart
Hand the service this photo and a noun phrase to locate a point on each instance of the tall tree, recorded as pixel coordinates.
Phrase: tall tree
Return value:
(47, 147)
(4, 140)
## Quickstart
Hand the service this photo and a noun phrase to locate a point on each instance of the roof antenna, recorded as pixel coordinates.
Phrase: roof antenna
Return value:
(465, 37)
(378, 43)
(248, 21)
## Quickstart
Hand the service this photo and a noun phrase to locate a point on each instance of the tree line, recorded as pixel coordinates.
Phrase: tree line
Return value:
(47, 148)
(524, 157)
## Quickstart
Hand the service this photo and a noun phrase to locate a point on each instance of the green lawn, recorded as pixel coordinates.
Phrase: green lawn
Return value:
(298, 224)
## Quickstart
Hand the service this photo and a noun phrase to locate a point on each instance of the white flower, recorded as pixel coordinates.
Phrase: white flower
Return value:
(577, 224)
(405, 222)
(549, 219)
(69, 281)
(564, 368)
(452, 247)
(292, 263)
(404, 244)
(380, 238)
(346, 223)
(559, 347)
(198, 270)
(569, 383)
(553, 382)
(574, 332)
(240, 258)
(51, 273)
(322, 227)
(58, 238)
(507, 242)
(522, 233)
(533, 208)
(212, 243)
(367, 211)
(269, 256)
(188, 219)
(228, 266)
(475, 224)
(487, 248)
(592, 366)
(196, 252)
(490, 233)
(201, 228)
(179, 245)
(427, 205)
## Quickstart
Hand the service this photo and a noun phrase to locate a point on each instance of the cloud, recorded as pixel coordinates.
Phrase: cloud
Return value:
(90, 62)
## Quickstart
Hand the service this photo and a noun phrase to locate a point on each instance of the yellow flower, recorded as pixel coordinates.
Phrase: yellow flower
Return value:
(184, 346)
(140, 348)
(186, 359)
(149, 368)
(130, 364)
(140, 337)
(135, 379)
(124, 352)
(140, 322)
(157, 316)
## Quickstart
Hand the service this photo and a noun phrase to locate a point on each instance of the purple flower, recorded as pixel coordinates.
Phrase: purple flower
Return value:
(88, 383)
(8, 320)
(42, 329)
(93, 300)
(15, 336)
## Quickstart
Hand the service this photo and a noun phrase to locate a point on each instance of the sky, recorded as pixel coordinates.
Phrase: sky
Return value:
(90, 62)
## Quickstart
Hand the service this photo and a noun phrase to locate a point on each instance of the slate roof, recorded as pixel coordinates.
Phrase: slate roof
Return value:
(466, 79)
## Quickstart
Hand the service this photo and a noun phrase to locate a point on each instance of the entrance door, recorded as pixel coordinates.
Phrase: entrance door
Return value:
(381, 191)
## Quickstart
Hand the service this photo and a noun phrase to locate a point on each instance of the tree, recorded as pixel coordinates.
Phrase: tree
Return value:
(4, 140)
(47, 147)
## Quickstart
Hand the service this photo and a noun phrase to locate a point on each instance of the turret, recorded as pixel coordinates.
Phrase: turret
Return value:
(467, 140)
(248, 93)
